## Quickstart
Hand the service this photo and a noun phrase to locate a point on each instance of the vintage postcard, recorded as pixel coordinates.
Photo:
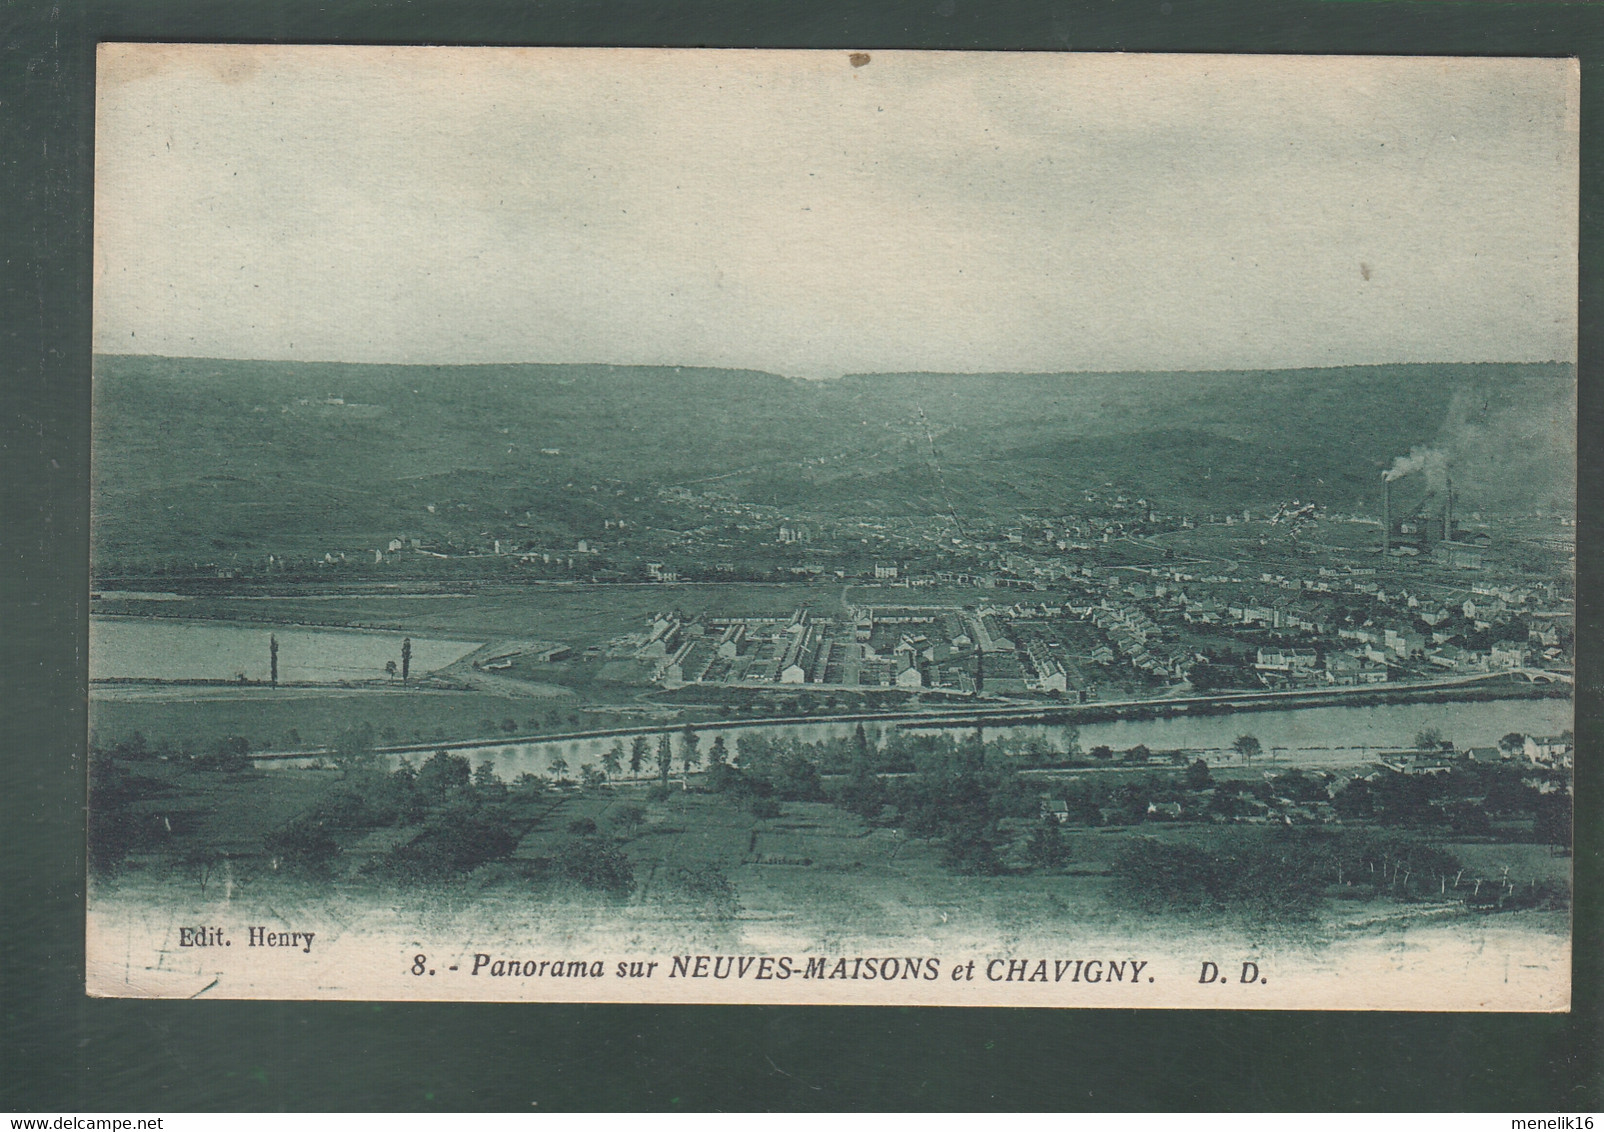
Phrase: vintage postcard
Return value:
(943, 528)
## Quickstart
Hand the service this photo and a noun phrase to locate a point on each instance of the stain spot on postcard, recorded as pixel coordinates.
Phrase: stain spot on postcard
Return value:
(859, 59)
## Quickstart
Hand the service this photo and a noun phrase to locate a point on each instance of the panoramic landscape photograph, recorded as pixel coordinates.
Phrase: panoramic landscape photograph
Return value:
(893, 527)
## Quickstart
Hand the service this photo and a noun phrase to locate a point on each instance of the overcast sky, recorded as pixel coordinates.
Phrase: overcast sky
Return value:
(792, 212)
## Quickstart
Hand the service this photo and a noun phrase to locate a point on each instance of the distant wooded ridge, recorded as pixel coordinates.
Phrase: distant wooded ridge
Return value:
(192, 451)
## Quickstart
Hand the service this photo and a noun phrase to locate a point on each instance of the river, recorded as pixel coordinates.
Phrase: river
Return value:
(175, 649)
(1297, 736)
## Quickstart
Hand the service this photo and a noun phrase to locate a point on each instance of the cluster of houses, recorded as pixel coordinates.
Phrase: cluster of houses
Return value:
(1545, 752)
(1135, 637)
(798, 648)
(1138, 627)
(1271, 810)
(1538, 754)
(911, 647)
(1342, 628)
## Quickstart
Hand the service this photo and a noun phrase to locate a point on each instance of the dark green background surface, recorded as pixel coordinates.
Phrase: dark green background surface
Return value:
(60, 1051)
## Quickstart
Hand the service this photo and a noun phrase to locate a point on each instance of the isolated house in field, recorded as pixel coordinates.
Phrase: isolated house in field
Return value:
(1055, 809)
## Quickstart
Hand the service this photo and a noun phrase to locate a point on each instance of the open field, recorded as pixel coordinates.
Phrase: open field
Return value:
(579, 614)
(291, 718)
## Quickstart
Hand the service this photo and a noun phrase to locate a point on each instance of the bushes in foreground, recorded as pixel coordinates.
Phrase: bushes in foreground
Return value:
(596, 863)
(1158, 876)
(458, 842)
(1279, 874)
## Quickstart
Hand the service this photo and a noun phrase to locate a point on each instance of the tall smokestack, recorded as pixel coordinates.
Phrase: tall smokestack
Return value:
(1386, 517)
(1448, 511)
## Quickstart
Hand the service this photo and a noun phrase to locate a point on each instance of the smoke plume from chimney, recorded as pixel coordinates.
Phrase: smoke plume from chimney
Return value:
(1428, 460)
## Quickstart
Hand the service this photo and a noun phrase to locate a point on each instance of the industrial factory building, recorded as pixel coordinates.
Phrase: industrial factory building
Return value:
(1424, 529)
